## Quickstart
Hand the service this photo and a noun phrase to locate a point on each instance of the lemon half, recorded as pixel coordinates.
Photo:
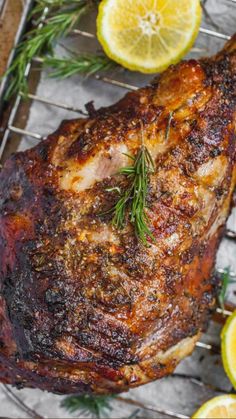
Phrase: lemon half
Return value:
(228, 348)
(219, 407)
(148, 35)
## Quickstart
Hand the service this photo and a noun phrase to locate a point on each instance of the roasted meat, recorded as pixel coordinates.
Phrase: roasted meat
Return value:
(86, 307)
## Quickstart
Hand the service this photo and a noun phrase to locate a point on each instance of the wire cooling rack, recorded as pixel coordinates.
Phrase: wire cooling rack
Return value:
(12, 128)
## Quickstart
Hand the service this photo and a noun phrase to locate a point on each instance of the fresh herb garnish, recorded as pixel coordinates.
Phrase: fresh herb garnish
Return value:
(40, 40)
(133, 201)
(84, 64)
(58, 18)
(225, 281)
(97, 406)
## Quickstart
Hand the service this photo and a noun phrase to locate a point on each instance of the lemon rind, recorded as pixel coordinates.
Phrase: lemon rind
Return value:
(205, 408)
(224, 355)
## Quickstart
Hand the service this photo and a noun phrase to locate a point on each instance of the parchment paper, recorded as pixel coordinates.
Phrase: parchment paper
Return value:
(174, 393)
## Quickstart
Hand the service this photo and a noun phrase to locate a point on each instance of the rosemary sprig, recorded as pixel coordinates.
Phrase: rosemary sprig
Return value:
(133, 201)
(62, 16)
(83, 64)
(226, 280)
(97, 406)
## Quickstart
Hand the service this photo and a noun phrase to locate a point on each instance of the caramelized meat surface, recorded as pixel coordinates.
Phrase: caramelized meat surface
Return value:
(86, 307)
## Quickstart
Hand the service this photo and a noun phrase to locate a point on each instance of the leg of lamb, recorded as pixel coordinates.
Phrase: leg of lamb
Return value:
(88, 307)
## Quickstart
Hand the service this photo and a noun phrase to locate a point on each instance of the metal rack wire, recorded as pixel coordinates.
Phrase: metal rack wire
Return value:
(11, 128)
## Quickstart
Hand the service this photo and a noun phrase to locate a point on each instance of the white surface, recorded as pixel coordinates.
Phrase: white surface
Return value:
(173, 393)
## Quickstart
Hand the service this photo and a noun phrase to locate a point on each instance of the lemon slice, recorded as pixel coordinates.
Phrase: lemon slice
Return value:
(228, 348)
(148, 35)
(219, 407)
